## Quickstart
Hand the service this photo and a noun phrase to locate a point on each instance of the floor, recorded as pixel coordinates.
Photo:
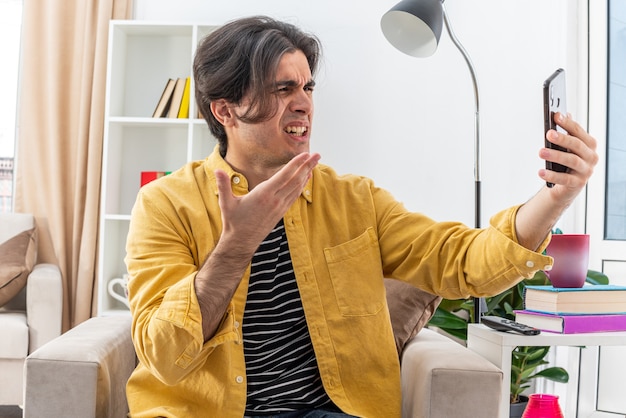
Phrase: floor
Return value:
(10, 412)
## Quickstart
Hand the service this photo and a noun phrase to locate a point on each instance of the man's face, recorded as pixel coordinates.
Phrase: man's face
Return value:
(268, 145)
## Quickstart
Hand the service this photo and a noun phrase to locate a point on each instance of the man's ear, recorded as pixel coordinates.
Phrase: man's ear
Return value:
(223, 112)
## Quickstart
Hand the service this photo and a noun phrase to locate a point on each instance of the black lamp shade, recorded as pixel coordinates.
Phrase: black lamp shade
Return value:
(414, 26)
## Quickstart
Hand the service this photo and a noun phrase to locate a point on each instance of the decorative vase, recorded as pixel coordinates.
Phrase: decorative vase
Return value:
(543, 406)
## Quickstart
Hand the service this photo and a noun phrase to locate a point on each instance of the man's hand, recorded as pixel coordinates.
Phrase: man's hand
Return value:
(246, 221)
(251, 217)
(581, 158)
(538, 216)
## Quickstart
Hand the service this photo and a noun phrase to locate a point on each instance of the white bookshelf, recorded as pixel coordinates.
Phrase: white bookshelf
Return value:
(142, 56)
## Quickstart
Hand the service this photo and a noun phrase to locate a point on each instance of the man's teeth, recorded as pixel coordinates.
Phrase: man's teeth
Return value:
(296, 130)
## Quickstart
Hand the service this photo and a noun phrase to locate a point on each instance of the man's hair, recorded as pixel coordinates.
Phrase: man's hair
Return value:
(242, 58)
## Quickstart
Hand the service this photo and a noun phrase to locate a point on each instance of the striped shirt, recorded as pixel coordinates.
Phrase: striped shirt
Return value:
(281, 367)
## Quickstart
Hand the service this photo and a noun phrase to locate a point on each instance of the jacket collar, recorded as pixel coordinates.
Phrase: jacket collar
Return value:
(238, 181)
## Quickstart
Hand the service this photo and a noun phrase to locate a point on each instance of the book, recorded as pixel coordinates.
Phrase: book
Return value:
(164, 101)
(183, 112)
(177, 96)
(589, 299)
(572, 324)
(148, 176)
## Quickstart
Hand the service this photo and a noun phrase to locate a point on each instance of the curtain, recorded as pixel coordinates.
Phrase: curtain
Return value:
(60, 123)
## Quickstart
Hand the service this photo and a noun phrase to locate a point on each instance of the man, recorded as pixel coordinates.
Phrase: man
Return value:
(257, 274)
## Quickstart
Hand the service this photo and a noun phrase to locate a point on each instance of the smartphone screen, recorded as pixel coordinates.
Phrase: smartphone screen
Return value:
(554, 101)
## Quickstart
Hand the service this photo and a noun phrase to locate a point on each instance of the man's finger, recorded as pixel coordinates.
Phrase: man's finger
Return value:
(299, 173)
(223, 186)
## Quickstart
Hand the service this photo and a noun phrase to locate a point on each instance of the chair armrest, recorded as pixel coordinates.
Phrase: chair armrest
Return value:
(442, 378)
(82, 373)
(44, 304)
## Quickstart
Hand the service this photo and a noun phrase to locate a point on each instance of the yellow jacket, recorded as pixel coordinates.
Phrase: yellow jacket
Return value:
(345, 235)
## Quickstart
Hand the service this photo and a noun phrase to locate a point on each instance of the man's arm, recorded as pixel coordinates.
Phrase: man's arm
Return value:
(538, 216)
(246, 221)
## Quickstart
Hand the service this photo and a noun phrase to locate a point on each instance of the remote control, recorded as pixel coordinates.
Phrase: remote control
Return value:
(503, 324)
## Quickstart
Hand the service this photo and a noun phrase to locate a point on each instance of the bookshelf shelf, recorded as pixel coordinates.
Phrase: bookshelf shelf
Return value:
(149, 121)
(142, 56)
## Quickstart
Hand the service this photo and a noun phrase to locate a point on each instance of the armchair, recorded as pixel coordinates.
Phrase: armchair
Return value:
(83, 373)
(30, 316)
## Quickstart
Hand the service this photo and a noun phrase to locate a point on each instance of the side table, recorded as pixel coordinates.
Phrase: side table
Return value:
(497, 346)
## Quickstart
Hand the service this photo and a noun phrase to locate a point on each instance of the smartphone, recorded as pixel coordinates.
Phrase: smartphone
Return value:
(554, 101)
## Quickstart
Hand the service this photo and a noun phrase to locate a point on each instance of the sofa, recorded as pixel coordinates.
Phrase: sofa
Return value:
(83, 372)
(31, 302)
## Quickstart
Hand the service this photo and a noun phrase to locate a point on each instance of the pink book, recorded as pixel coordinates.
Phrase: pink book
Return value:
(572, 324)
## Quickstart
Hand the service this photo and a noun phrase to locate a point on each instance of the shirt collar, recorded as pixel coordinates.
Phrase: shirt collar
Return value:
(238, 181)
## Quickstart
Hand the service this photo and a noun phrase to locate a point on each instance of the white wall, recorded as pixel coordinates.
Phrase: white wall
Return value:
(408, 123)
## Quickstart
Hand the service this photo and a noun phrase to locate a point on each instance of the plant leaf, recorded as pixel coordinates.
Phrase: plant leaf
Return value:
(535, 353)
(556, 374)
(447, 320)
(451, 305)
(597, 277)
(540, 278)
(494, 301)
(450, 323)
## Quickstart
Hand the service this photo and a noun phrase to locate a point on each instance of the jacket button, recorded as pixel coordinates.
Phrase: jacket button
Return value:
(239, 379)
(530, 264)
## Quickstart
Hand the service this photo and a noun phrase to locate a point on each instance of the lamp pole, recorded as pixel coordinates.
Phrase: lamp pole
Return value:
(414, 27)
(470, 66)
(479, 303)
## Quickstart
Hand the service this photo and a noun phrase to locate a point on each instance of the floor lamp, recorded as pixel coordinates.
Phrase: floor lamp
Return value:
(414, 27)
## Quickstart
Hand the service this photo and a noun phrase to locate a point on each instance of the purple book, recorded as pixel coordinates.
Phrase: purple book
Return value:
(572, 324)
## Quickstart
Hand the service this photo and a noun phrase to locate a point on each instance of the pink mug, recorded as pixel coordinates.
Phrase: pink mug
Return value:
(571, 259)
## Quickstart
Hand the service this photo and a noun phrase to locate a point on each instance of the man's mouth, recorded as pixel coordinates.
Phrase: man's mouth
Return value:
(296, 130)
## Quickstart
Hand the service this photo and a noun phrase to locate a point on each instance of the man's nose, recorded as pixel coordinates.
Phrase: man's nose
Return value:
(302, 102)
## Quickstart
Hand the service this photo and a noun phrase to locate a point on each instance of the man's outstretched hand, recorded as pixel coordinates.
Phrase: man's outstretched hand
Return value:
(250, 218)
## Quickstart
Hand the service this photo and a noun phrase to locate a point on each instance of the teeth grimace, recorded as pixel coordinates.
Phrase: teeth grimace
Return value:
(298, 130)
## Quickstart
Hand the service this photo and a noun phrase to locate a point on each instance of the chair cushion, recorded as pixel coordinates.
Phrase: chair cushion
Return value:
(17, 259)
(14, 341)
(409, 308)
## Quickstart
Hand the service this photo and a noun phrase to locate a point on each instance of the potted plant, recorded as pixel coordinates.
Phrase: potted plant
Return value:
(453, 316)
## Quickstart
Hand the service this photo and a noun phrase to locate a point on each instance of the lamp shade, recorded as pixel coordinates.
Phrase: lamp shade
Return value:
(414, 26)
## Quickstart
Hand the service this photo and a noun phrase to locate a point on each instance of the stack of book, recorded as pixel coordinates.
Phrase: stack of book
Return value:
(591, 308)
(174, 101)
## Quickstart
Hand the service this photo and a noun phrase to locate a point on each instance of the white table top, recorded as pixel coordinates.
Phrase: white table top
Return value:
(546, 338)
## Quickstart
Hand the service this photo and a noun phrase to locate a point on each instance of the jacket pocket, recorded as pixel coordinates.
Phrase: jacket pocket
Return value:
(356, 275)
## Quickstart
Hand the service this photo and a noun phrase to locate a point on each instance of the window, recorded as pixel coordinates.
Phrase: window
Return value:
(10, 27)
(602, 369)
(615, 217)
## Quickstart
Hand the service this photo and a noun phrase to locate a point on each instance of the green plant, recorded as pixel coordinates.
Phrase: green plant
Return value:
(452, 316)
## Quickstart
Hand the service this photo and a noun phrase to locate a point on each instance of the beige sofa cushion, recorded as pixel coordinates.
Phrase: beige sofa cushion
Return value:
(409, 308)
(14, 341)
(17, 259)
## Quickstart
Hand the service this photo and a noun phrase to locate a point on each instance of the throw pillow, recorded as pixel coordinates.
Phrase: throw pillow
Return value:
(409, 308)
(17, 259)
